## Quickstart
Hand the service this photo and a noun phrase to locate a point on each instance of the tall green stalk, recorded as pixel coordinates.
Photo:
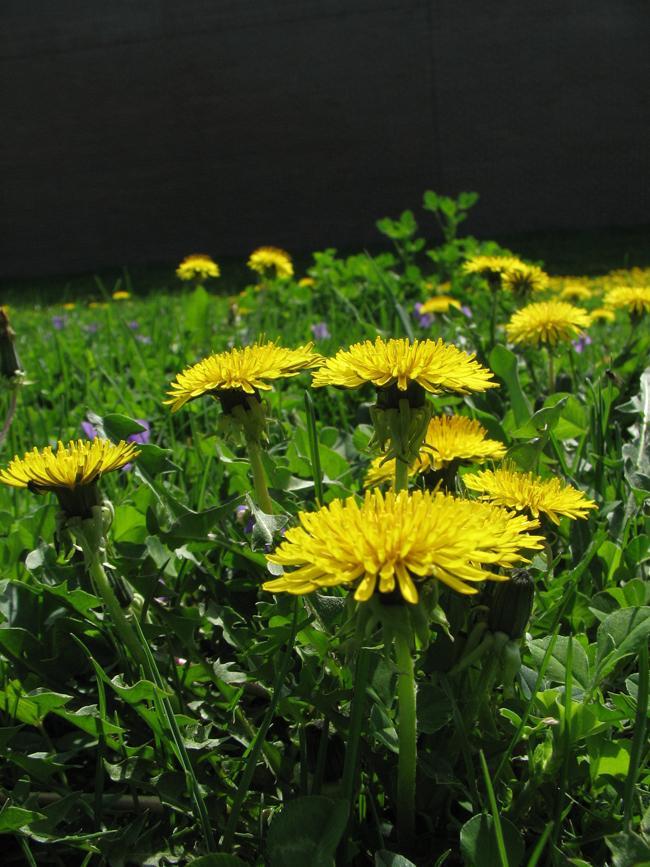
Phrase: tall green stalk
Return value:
(259, 479)
(401, 476)
(407, 733)
(118, 619)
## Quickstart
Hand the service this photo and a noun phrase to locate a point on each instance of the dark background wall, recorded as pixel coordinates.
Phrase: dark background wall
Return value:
(142, 130)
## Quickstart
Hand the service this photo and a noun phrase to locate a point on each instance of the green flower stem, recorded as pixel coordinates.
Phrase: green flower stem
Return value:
(120, 622)
(401, 476)
(259, 479)
(349, 767)
(551, 370)
(638, 738)
(407, 741)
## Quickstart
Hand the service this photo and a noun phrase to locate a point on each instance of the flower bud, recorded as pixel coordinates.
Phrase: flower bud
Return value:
(512, 604)
(10, 365)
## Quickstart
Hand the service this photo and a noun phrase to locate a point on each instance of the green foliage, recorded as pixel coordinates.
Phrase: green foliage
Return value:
(100, 759)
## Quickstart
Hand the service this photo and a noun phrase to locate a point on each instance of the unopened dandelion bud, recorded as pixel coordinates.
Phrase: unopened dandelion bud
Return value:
(512, 604)
(10, 366)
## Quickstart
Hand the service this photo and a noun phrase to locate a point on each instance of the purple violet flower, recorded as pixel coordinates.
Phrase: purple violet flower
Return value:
(467, 312)
(143, 338)
(92, 328)
(425, 320)
(582, 343)
(320, 332)
(58, 322)
(133, 325)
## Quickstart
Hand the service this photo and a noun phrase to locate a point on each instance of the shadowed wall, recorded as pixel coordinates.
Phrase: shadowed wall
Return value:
(142, 130)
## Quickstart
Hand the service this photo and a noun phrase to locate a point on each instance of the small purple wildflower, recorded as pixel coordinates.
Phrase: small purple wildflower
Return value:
(58, 322)
(467, 312)
(92, 328)
(89, 430)
(320, 332)
(582, 343)
(425, 320)
(143, 338)
(133, 325)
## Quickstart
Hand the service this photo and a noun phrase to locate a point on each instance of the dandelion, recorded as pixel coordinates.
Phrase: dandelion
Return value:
(399, 540)
(141, 438)
(548, 321)
(525, 492)
(449, 442)
(602, 314)
(197, 267)
(121, 295)
(635, 298)
(69, 306)
(266, 258)
(438, 304)
(240, 372)
(320, 332)
(235, 378)
(522, 280)
(71, 473)
(403, 373)
(307, 281)
(435, 367)
(490, 267)
(574, 291)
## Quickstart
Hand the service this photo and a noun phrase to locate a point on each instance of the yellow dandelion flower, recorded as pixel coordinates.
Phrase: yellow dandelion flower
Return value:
(602, 314)
(244, 370)
(69, 306)
(527, 493)
(490, 265)
(265, 258)
(397, 540)
(574, 291)
(448, 438)
(436, 367)
(307, 281)
(522, 279)
(121, 296)
(635, 298)
(93, 304)
(547, 321)
(438, 304)
(197, 266)
(71, 473)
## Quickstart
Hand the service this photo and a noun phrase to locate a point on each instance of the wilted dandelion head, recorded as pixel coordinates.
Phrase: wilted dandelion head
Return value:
(548, 321)
(525, 492)
(436, 367)
(448, 438)
(266, 258)
(197, 266)
(245, 370)
(397, 540)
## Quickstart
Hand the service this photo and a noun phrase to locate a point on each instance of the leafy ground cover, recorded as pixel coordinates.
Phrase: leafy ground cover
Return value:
(270, 729)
